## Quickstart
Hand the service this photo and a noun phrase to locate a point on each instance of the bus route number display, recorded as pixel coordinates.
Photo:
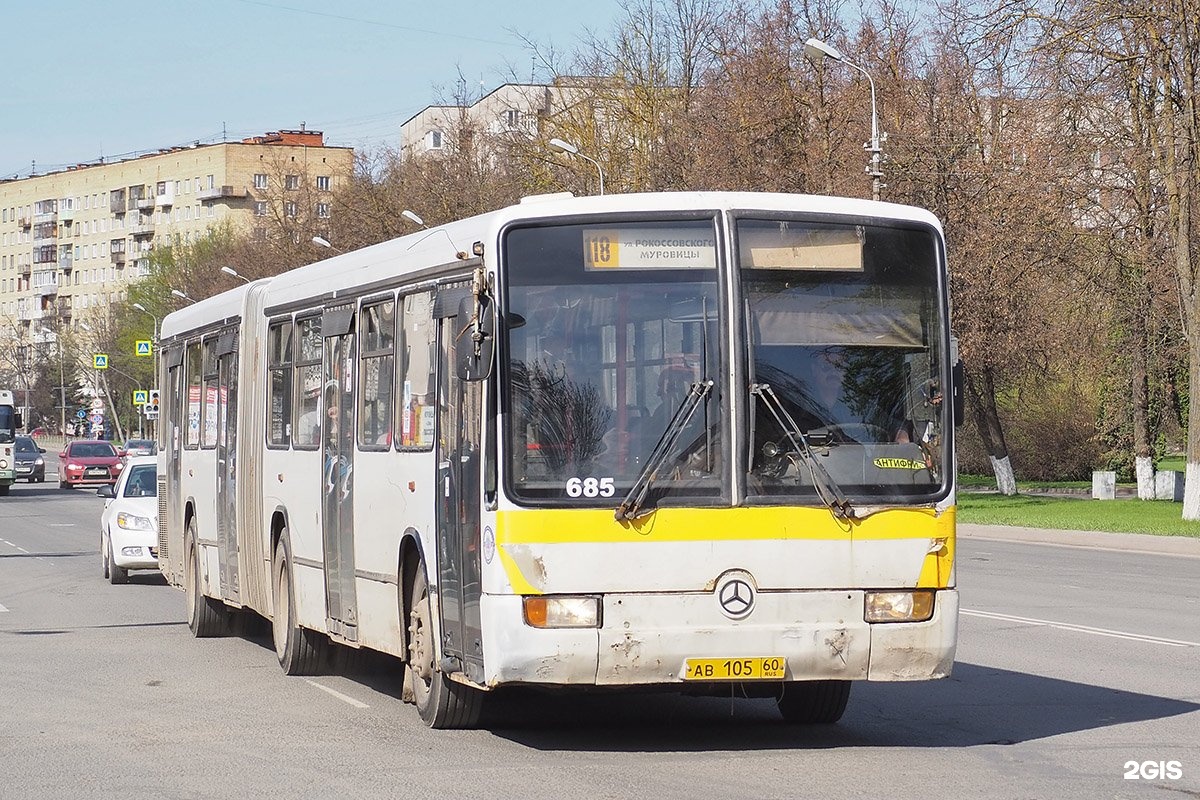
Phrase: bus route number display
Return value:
(648, 248)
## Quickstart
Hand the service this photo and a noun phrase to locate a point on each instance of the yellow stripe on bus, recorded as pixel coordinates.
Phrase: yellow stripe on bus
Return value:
(562, 526)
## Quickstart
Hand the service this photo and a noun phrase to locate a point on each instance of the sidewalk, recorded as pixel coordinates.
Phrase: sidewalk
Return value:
(1127, 542)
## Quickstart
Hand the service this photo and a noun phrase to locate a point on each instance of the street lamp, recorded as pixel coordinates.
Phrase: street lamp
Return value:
(321, 241)
(570, 149)
(182, 295)
(234, 273)
(154, 332)
(413, 218)
(62, 383)
(816, 50)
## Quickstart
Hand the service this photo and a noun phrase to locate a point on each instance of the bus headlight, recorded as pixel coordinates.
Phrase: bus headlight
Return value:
(3, 463)
(910, 606)
(562, 612)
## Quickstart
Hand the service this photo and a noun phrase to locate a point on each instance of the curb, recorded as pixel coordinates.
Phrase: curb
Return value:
(1124, 542)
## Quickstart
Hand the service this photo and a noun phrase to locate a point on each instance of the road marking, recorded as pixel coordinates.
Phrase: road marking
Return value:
(344, 698)
(61, 525)
(1066, 626)
(3, 610)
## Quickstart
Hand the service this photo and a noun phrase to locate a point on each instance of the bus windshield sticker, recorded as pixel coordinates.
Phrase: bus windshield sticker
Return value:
(648, 248)
(786, 246)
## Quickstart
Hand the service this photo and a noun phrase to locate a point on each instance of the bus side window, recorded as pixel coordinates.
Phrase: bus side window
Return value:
(307, 384)
(377, 332)
(279, 384)
(191, 421)
(418, 405)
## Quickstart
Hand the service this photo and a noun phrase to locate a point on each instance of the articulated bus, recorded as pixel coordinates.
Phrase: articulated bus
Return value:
(692, 441)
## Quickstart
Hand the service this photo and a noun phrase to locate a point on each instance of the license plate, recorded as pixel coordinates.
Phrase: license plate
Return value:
(735, 669)
(97, 471)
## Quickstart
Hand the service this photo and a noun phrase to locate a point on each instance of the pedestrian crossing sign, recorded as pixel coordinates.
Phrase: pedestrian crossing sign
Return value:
(100, 360)
(140, 397)
(142, 347)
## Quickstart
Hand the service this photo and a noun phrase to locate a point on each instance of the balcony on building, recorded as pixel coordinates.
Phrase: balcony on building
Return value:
(143, 203)
(65, 262)
(143, 227)
(116, 201)
(66, 209)
(64, 309)
(49, 290)
(222, 192)
(164, 195)
(24, 269)
(28, 314)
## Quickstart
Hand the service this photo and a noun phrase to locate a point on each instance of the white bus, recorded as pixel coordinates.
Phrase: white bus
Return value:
(10, 423)
(694, 440)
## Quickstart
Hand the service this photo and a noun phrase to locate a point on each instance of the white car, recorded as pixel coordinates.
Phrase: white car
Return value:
(129, 522)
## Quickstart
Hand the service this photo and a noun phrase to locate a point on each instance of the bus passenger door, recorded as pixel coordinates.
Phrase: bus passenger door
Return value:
(337, 481)
(227, 469)
(459, 446)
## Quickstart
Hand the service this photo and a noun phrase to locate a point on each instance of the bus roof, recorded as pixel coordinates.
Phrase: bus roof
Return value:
(447, 244)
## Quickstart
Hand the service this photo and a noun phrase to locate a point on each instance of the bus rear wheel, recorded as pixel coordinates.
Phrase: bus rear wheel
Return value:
(813, 702)
(207, 617)
(300, 651)
(441, 702)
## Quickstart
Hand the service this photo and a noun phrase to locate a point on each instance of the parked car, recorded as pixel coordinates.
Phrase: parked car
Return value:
(139, 447)
(88, 461)
(38, 431)
(129, 522)
(29, 462)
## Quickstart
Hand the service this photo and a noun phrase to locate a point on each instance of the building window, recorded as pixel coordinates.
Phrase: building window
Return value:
(260, 208)
(323, 210)
(291, 182)
(211, 182)
(260, 180)
(323, 183)
(289, 209)
(433, 140)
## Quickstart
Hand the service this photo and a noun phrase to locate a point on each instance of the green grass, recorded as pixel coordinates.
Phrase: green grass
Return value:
(1176, 463)
(989, 482)
(1069, 513)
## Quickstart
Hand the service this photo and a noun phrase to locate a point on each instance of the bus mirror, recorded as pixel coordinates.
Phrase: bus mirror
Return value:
(476, 338)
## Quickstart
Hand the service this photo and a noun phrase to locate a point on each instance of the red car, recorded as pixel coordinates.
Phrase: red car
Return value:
(88, 462)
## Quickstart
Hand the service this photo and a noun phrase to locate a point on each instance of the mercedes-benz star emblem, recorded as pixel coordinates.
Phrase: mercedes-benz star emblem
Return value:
(736, 597)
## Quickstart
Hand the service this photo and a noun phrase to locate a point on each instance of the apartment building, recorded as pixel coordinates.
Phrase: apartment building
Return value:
(72, 240)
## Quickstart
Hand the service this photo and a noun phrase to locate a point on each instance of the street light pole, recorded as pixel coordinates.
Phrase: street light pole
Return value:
(816, 49)
(567, 147)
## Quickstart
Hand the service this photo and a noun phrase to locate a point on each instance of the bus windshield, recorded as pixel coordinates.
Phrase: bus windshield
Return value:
(609, 327)
(8, 428)
(845, 327)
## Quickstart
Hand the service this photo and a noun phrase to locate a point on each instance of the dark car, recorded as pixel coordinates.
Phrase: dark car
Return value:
(29, 462)
(88, 461)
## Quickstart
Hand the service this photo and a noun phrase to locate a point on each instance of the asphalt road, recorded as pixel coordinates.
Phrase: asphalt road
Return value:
(1073, 662)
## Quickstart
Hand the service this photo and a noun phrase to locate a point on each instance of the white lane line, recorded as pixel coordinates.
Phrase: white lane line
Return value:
(1066, 626)
(344, 698)
(61, 525)
(3, 610)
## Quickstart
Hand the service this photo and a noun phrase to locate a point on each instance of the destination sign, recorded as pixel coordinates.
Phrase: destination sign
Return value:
(649, 248)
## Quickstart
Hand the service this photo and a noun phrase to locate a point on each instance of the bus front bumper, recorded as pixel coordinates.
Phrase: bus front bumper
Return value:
(648, 639)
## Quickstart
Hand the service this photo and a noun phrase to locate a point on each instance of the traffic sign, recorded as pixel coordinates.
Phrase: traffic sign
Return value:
(100, 360)
(140, 397)
(81, 414)
(97, 419)
(142, 347)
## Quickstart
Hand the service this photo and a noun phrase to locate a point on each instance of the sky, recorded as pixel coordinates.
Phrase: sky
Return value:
(89, 79)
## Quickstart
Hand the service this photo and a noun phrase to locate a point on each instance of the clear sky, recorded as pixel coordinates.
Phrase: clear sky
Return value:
(84, 78)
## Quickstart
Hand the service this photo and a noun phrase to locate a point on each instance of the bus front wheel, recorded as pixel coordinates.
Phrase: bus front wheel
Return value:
(813, 702)
(441, 702)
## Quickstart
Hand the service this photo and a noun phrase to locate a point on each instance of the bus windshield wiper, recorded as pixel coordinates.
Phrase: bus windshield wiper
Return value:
(632, 503)
(827, 489)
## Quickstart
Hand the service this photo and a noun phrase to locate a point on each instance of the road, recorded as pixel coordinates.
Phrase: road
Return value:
(1073, 661)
